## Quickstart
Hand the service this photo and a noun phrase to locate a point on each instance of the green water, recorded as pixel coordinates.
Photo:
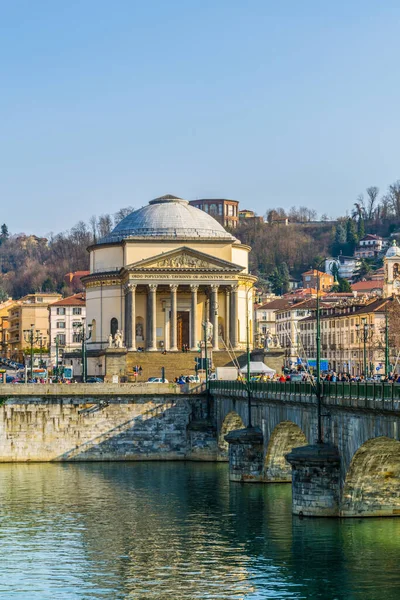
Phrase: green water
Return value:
(173, 531)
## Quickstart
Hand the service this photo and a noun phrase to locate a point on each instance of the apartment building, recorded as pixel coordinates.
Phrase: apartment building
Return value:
(30, 311)
(224, 211)
(288, 319)
(342, 341)
(64, 316)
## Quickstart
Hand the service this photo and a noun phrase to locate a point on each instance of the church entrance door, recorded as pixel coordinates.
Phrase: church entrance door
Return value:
(183, 329)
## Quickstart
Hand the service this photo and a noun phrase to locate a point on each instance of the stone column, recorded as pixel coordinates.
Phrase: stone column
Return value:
(246, 455)
(234, 316)
(315, 480)
(214, 314)
(173, 321)
(193, 317)
(227, 316)
(130, 316)
(152, 318)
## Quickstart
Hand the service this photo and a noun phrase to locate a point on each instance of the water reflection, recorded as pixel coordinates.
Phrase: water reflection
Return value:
(174, 531)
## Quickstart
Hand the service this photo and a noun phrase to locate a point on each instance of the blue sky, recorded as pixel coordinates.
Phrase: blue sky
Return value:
(107, 104)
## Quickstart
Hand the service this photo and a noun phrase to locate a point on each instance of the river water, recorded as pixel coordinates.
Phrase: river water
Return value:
(169, 531)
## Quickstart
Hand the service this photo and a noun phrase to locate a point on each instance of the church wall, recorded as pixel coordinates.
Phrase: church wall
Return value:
(240, 256)
(113, 307)
(136, 251)
(109, 257)
(93, 302)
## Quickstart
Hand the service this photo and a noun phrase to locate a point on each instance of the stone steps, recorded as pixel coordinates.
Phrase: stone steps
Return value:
(174, 363)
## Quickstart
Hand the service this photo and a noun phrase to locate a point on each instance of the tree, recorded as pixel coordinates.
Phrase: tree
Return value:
(121, 214)
(279, 279)
(104, 225)
(344, 285)
(3, 294)
(351, 235)
(372, 199)
(393, 196)
(361, 229)
(363, 271)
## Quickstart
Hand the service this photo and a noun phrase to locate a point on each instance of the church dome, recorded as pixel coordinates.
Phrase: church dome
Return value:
(394, 250)
(168, 217)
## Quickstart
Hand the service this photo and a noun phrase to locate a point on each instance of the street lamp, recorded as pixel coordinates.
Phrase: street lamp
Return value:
(248, 356)
(83, 337)
(31, 337)
(364, 332)
(318, 386)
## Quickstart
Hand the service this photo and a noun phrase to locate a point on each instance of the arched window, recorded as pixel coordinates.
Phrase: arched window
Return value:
(113, 326)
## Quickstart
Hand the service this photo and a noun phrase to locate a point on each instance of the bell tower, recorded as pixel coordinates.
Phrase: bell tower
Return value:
(392, 271)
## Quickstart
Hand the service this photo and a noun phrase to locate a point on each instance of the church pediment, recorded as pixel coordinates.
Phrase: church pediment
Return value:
(184, 259)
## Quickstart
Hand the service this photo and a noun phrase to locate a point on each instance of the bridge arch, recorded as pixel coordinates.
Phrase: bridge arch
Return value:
(372, 484)
(231, 422)
(286, 436)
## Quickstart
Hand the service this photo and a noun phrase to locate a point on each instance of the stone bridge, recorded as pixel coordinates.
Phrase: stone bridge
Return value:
(355, 472)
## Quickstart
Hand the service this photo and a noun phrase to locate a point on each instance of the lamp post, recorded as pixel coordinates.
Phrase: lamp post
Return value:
(56, 343)
(249, 421)
(318, 386)
(386, 341)
(41, 352)
(31, 337)
(83, 337)
(364, 331)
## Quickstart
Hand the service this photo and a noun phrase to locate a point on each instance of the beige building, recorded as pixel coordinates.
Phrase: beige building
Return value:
(342, 344)
(161, 274)
(31, 310)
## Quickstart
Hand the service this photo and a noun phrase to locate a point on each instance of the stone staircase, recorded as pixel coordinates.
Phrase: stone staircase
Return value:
(175, 363)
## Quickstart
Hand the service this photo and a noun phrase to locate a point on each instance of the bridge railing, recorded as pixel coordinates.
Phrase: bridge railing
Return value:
(359, 394)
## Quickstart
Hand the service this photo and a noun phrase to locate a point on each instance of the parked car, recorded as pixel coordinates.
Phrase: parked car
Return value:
(94, 380)
(156, 380)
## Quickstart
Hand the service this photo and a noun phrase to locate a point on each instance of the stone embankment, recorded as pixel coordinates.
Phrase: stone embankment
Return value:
(80, 422)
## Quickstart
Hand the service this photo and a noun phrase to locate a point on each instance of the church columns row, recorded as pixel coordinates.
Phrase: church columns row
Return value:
(174, 311)
(234, 316)
(193, 316)
(214, 315)
(231, 316)
(152, 318)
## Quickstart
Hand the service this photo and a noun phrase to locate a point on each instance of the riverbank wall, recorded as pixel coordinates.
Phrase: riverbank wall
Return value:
(126, 427)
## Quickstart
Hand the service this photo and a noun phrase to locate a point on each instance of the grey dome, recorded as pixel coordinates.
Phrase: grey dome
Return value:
(394, 250)
(168, 217)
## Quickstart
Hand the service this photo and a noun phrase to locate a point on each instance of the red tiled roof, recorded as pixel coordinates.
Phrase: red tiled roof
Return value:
(75, 300)
(363, 286)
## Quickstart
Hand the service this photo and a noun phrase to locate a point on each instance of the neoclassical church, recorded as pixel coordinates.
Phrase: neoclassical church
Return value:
(162, 273)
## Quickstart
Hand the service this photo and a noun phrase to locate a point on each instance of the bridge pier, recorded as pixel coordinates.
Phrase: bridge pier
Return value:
(315, 480)
(246, 455)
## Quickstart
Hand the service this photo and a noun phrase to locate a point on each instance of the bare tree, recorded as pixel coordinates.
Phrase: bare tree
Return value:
(93, 227)
(121, 214)
(394, 198)
(359, 211)
(104, 225)
(372, 200)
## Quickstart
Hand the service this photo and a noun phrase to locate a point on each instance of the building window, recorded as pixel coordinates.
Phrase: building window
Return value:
(39, 299)
(77, 310)
(76, 338)
(61, 339)
(220, 209)
(61, 310)
(113, 326)
(60, 324)
(230, 210)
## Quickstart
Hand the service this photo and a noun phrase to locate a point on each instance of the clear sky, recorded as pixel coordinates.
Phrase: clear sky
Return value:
(105, 104)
